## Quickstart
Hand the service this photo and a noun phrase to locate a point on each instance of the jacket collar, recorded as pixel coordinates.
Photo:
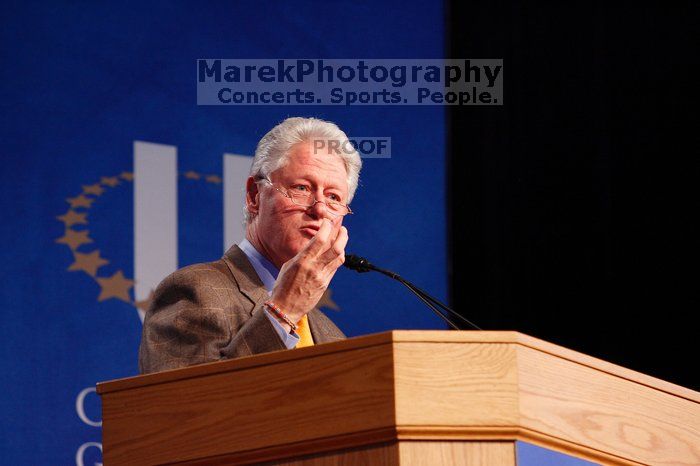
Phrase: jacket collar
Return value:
(247, 279)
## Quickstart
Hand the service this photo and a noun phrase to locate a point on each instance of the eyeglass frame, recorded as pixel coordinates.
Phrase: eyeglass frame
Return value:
(316, 201)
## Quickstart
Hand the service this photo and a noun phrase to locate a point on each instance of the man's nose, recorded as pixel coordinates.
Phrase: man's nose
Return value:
(319, 210)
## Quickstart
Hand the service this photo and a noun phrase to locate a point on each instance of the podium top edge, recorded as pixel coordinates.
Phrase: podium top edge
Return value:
(399, 336)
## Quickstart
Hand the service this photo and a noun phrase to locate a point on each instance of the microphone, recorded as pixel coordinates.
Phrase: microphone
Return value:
(362, 265)
(357, 263)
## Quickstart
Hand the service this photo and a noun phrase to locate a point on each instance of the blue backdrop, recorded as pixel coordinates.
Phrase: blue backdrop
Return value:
(80, 83)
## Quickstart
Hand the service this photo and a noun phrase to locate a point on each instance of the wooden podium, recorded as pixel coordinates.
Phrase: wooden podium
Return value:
(402, 397)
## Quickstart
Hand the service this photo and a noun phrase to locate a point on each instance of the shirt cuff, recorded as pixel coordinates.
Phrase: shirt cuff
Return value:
(290, 340)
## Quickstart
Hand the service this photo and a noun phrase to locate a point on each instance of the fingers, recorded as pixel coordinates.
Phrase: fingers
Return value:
(328, 245)
(336, 252)
(341, 241)
(319, 243)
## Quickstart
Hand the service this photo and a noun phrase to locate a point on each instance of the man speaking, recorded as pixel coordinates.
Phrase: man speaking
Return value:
(261, 295)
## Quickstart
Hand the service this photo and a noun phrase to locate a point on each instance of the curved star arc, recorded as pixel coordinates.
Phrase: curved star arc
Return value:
(117, 286)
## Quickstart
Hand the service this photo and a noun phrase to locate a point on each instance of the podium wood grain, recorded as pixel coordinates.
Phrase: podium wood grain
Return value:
(405, 397)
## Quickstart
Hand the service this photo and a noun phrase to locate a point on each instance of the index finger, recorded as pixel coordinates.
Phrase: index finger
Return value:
(337, 249)
(321, 240)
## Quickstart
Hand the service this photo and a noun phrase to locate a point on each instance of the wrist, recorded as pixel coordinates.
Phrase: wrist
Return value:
(288, 307)
(282, 317)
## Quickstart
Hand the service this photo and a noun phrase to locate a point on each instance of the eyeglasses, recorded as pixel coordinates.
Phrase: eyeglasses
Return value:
(308, 199)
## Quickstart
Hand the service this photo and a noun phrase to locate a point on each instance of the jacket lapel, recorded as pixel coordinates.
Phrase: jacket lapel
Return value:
(249, 284)
(322, 329)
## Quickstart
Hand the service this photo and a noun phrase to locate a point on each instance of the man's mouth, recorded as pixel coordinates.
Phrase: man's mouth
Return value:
(310, 229)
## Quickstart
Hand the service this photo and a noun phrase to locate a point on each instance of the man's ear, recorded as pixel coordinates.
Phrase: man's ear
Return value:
(252, 198)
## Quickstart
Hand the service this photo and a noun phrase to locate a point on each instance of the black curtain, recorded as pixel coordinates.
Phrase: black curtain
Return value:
(574, 205)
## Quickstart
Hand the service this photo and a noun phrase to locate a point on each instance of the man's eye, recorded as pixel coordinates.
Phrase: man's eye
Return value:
(300, 187)
(334, 197)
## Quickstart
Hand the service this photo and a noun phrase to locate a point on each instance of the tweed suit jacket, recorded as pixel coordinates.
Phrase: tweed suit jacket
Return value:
(213, 311)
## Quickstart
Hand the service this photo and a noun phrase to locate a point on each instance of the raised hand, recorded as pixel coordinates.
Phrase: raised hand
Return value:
(304, 278)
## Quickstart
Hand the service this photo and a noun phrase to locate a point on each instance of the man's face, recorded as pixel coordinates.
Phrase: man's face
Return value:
(281, 228)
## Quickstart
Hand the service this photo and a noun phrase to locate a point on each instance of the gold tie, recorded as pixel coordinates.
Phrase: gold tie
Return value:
(305, 338)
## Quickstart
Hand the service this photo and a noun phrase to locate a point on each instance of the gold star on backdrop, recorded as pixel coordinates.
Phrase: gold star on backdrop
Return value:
(95, 189)
(75, 238)
(116, 286)
(71, 218)
(110, 181)
(327, 302)
(80, 201)
(88, 263)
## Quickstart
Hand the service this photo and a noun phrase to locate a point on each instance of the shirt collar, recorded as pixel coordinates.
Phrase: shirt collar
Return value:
(263, 267)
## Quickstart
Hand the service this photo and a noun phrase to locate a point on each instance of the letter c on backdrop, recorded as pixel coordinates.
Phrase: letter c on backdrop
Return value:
(80, 408)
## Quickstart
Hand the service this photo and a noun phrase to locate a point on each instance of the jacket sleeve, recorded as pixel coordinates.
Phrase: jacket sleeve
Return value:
(196, 316)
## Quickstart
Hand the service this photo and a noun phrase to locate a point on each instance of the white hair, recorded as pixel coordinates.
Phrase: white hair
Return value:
(274, 148)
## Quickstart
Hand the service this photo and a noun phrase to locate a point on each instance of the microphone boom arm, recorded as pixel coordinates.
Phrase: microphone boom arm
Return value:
(362, 265)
